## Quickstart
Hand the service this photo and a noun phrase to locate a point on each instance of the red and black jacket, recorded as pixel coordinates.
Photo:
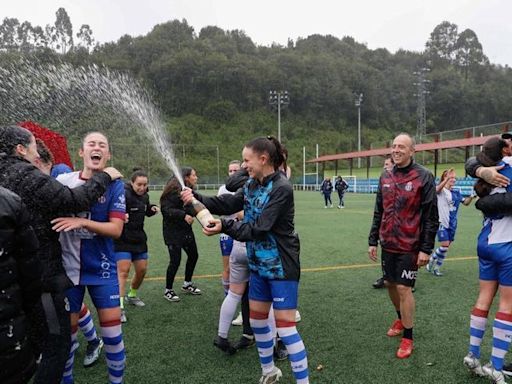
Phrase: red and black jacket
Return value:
(405, 219)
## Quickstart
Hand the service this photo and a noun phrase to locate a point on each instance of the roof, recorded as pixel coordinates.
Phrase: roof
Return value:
(458, 143)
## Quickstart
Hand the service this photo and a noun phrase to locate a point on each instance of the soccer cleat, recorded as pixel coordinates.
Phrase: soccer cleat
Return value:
(379, 283)
(342, 207)
(272, 377)
(496, 376)
(123, 316)
(135, 301)
(396, 328)
(244, 342)
(171, 295)
(437, 272)
(191, 289)
(339, 206)
(224, 345)
(473, 364)
(93, 352)
(239, 320)
(298, 318)
(507, 369)
(280, 351)
(405, 349)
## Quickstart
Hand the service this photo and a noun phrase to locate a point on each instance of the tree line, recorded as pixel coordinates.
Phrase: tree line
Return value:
(213, 85)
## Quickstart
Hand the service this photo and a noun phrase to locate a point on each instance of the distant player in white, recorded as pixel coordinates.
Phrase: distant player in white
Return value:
(448, 202)
(88, 254)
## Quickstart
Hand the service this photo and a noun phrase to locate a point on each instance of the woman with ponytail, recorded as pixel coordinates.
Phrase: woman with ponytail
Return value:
(272, 249)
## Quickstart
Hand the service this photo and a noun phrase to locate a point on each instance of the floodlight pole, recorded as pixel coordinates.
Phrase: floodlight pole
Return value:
(278, 98)
(358, 101)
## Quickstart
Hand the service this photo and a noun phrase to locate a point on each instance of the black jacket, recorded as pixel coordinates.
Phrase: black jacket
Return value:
(276, 219)
(47, 199)
(491, 205)
(134, 239)
(175, 229)
(20, 287)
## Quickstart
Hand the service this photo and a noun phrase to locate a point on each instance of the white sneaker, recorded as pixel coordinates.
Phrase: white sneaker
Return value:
(272, 377)
(297, 316)
(473, 364)
(497, 377)
(238, 321)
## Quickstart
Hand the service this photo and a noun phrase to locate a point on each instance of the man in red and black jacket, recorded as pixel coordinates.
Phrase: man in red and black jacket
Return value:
(405, 222)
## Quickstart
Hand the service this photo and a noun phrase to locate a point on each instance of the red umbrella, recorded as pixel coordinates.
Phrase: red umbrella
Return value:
(56, 143)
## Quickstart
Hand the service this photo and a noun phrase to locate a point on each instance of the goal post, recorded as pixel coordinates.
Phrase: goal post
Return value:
(351, 180)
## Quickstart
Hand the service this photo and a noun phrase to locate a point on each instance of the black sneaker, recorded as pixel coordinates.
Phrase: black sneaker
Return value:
(244, 342)
(191, 289)
(224, 345)
(507, 369)
(280, 352)
(379, 283)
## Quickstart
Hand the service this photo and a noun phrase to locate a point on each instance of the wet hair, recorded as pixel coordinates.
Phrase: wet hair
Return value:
(11, 136)
(138, 172)
(271, 146)
(173, 185)
(45, 155)
(491, 154)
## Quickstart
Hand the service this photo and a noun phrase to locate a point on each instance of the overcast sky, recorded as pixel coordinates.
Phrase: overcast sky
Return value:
(390, 24)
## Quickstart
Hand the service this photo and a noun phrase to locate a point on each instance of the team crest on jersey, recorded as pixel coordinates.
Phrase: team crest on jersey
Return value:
(408, 186)
(102, 199)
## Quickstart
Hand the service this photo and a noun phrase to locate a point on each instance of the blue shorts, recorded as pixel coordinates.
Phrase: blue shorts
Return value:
(495, 261)
(445, 234)
(103, 296)
(131, 256)
(282, 294)
(226, 245)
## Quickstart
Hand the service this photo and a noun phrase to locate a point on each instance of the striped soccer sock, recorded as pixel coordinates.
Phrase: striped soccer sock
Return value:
(67, 376)
(114, 350)
(296, 350)
(264, 340)
(477, 330)
(86, 324)
(501, 337)
(227, 311)
(440, 255)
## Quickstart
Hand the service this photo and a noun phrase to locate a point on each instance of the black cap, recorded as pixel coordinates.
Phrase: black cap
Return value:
(506, 135)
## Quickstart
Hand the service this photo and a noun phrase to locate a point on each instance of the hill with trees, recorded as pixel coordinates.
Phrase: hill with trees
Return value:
(213, 85)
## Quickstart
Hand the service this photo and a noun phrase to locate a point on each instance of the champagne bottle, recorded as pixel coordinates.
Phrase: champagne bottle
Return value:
(202, 214)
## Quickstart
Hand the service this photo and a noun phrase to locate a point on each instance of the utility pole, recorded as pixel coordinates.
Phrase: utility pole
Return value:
(421, 92)
(278, 99)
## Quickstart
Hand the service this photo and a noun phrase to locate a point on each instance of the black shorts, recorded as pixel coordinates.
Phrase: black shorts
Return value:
(400, 268)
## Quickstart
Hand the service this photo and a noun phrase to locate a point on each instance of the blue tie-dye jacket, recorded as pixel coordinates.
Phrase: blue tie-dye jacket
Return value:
(268, 226)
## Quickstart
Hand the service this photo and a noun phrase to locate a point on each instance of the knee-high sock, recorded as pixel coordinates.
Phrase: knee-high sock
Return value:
(114, 350)
(296, 350)
(501, 338)
(264, 340)
(67, 376)
(86, 324)
(477, 330)
(440, 255)
(227, 311)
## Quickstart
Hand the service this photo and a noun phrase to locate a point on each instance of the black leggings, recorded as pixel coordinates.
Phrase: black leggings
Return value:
(190, 249)
(247, 330)
(58, 341)
(327, 198)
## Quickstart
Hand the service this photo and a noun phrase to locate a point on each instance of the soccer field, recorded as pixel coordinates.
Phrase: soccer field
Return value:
(344, 320)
